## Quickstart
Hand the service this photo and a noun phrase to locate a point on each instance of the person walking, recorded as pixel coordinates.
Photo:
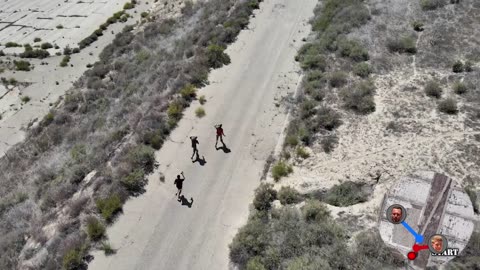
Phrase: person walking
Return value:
(220, 134)
(179, 184)
(194, 146)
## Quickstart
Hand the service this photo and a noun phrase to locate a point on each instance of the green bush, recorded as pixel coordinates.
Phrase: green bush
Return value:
(134, 181)
(189, 92)
(307, 109)
(255, 264)
(73, 260)
(314, 210)
(359, 98)
(291, 140)
(281, 169)
(328, 143)
(327, 118)
(457, 66)
(11, 44)
(459, 88)
(362, 69)
(433, 89)
(25, 99)
(37, 39)
(22, 65)
(338, 79)
(46, 45)
(200, 112)
(128, 5)
(346, 194)
(109, 206)
(59, 26)
(404, 44)
(107, 248)
(175, 110)
(216, 56)
(95, 229)
(65, 61)
(144, 14)
(417, 26)
(431, 4)
(302, 153)
(317, 62)
(353, 50)
(448, 106)
(202, 100)
(289, 195)
(37, 53)
(250, 241)
(143, 157)
(264, 196)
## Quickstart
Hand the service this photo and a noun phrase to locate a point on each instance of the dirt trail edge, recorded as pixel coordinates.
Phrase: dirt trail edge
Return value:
(158, 232)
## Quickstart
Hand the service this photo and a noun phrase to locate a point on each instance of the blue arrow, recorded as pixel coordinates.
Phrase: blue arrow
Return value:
(418, 237)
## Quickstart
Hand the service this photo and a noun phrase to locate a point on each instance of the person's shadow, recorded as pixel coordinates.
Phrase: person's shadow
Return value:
(201, 161)
(184, 201)
(224, 148)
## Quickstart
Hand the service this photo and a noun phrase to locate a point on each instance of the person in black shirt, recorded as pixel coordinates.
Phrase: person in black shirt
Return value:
(179, 184)
(194, 146)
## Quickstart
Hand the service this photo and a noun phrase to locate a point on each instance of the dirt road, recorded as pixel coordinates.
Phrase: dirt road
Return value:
(158, 232)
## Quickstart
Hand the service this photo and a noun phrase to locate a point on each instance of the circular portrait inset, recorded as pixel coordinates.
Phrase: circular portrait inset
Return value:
(396, 213)
(437, 243)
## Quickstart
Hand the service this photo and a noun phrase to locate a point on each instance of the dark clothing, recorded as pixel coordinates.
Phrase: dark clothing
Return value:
(194, 143)
(179, 183)
(220, 131)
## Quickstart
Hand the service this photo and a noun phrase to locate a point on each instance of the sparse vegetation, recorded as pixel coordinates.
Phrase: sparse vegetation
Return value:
(200, 112)
(433, 89)
(107, 248)
(362, 69)
(25, 99)
(202, 100)
(34, 53)
(287, 239)
(468, 66)
(289, 195)
(264, 196)
(338, 79)
(353, 50)
(59, 26)
(346, 194)
(403, 44)
(448, 106)
(459, 88)
(359, 98)
(216, 56)
(302, 152)
(11, 44)
(46, 45)
(37, 39)
(109, 206)
(95, 229)
(22, 65)
(457, 67)
(65, 61)
(281, 169)
(431, 4)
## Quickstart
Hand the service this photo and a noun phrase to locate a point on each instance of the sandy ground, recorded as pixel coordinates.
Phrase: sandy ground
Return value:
(158, 232)
(42, 80)
(406, 133)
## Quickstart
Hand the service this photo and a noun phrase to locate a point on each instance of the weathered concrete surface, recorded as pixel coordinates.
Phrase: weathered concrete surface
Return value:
(156, 231)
